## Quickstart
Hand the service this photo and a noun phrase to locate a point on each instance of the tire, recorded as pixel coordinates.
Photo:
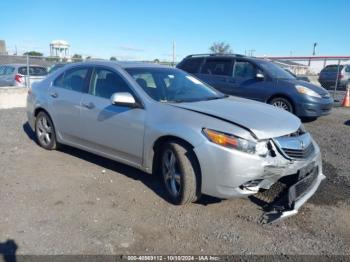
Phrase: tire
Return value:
(282, 103)
(45, 131)
(180, 173)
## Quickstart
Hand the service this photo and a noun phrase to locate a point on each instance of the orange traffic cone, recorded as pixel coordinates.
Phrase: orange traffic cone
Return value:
(346, 101)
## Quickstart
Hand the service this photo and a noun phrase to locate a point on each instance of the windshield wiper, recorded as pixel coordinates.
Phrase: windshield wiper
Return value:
(217, 97)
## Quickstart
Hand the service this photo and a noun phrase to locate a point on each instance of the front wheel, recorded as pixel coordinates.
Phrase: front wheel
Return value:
(180, 173)
(282, 103)
(45, 131)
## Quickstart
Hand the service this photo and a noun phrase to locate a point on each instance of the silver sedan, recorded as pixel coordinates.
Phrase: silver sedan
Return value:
(163, 120)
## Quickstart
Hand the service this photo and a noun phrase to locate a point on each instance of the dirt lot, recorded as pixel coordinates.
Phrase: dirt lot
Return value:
(72, 202)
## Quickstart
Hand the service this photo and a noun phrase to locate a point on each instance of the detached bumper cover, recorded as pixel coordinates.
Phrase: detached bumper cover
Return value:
(293, 200)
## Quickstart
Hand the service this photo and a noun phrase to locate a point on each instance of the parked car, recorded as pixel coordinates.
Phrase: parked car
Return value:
(299, 77)
(260, 80)
(16, 74)
(328, 76)
(163, 120)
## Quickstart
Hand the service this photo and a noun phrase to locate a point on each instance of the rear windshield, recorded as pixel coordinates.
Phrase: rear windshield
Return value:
(33, 71)
(332, 68)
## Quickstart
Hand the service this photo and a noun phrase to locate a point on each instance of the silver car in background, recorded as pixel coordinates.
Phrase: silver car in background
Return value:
(16, 74)
(163, 120)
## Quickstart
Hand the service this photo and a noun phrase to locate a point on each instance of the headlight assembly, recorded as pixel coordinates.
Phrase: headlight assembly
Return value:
(234, 142)
(307, 91)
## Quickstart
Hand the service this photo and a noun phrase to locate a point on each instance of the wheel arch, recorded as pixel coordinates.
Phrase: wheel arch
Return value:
(157, 145)
(282, 96)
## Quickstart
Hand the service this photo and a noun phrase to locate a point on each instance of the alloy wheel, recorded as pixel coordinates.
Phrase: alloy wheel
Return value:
(44, 130)
(171, 173)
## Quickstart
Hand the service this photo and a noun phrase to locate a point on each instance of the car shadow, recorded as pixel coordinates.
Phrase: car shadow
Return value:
(28, 130)
(151, 181)
(308, 119)
(8, 250)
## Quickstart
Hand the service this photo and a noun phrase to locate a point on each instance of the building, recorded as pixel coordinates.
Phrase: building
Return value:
(296, 68)
(59, 48)
(314, 63)
(3, 47)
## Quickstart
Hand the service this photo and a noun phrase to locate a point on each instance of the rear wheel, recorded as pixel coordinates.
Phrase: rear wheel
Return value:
(180, 173)
(45, 131)
(282, 103)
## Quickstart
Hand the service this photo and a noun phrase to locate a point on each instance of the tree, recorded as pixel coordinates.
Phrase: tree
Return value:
(156, 61)
(88, 57)
(113, 58)
(220, 48)
(77, 58)
(33, 53)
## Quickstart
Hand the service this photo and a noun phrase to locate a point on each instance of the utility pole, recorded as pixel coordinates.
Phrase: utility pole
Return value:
(174, 55)
(314, 49)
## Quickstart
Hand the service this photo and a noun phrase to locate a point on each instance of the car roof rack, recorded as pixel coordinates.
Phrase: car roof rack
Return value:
(211, 55)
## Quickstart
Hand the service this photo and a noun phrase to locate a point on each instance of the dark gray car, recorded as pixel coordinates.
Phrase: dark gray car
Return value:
(260, 80)
(328, 76)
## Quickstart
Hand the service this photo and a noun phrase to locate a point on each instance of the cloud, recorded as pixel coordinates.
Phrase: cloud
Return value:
(130, 48)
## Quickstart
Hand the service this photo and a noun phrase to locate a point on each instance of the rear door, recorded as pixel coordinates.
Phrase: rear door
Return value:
(65, 96)
(111, 129)
(216, 71)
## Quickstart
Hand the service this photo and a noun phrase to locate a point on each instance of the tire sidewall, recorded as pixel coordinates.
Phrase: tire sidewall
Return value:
(52, 144)
(186, 174)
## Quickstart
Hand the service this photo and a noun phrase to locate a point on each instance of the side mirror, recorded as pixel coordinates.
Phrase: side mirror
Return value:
(260, 76)
(124, 99)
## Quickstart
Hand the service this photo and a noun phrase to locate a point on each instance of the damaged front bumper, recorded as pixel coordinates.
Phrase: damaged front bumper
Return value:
(289, 203)
(230, 174)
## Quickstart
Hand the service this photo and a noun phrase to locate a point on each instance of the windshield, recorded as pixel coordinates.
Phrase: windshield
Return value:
(172, 85)
(274, 70)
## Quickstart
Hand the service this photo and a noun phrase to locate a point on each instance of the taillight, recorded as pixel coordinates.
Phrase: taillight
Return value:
(340, 76)
(19, 78)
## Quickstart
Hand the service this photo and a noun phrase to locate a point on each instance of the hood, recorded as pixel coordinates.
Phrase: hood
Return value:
(318, 89)
(264, 121)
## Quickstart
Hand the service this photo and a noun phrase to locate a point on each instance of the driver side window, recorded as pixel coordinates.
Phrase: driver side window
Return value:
(105, 83)
(245, 70)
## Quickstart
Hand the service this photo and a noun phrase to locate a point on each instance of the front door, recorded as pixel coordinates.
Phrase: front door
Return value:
(113, 130)
(245, 83)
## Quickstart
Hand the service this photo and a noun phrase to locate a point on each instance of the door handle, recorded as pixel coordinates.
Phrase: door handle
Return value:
(54, 95)
(88, 105)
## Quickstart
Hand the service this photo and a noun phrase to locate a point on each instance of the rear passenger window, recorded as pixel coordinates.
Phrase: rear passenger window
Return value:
(217, 67)
(2, 70)
(9, 70)
(33, 71)
(73, 79)
(105, 83)
(347, 69)
(191, 65)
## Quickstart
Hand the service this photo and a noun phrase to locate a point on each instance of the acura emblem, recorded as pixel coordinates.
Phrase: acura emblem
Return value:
(301, 144)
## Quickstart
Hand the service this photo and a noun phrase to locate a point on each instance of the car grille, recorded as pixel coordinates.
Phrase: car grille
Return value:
(300, 153)
(303, 185)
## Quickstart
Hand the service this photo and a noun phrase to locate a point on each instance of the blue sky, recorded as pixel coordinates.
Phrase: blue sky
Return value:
(145, 29)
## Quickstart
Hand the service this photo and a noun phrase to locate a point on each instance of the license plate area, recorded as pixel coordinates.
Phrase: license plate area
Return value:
(307, 177)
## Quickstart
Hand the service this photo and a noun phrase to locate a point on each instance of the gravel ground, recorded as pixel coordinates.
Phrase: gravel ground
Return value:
(73, 202)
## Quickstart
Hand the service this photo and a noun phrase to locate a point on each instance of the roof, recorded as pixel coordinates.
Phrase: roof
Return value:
(123, 64)
(59, 43)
